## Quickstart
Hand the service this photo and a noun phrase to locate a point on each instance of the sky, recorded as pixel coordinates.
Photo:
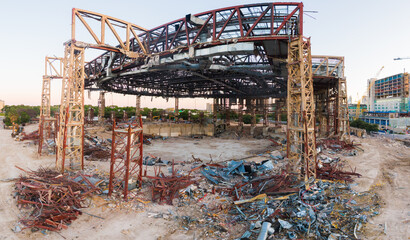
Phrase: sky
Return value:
(368, 33)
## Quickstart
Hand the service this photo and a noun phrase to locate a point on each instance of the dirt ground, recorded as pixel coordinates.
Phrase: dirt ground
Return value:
(384, 164)
(385, 167)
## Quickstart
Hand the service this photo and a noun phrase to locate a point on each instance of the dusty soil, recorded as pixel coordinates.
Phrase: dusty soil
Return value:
(384, 165)
(182, 149)
(125, 221)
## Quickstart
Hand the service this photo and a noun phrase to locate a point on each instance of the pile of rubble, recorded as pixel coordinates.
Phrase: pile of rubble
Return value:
(50, 200)
(257, 197)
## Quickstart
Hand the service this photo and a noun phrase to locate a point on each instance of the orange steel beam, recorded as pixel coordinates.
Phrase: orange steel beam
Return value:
(123, 42)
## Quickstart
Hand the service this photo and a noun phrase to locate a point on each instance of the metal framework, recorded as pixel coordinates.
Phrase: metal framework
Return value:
(301, 141)
(331, 95)
(125, 43)
(70, 139)
(343, 126)
(126, 156)
(236, 52)
(233, 51)
(47, 124)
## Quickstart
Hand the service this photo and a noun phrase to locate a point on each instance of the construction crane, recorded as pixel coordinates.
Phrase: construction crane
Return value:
(372, 80)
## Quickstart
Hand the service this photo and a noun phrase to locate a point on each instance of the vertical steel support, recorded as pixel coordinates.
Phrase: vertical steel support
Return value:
(101, 106)
(45, 98)
(301, 145)
(70, 138)
(137, 107)
(343, 111)
(44, 125)
(126, 156)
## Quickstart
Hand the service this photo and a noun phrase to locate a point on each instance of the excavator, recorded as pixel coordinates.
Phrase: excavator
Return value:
(16, 128)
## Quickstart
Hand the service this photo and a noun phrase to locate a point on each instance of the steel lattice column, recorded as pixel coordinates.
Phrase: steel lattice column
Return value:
(71, 130)
(45, 97)
(343, 111)
(301, 145)
(45, 123)
(126, 156)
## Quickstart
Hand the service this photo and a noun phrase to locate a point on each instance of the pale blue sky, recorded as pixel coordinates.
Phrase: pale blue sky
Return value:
(368, 33)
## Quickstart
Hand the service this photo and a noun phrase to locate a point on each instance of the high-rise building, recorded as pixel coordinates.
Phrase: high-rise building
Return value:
(389, 94)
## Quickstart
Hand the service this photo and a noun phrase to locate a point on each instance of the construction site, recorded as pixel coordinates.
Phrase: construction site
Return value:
(273, 157)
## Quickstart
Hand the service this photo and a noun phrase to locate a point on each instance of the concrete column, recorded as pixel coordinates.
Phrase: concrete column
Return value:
(253, 112)
(112, 116)
(124, 116)
(176, 111)
(227, 112)
(215, 110)
(138, 106)
(101, 106)
(90, 115)
(277, 109)
(265, 112)
(150, 115)
(240, 113)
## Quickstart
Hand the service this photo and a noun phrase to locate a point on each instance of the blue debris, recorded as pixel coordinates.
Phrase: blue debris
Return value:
(284, 224)
(266, 166)
(209, 177)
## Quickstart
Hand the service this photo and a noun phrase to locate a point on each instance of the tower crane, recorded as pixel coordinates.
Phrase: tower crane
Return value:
(372, 80)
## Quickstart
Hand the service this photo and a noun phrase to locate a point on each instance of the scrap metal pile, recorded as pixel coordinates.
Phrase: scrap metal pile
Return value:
(327, 210)
(97, 149)
(28, 136)
(245, 193)
(166, 188)
(51, 200)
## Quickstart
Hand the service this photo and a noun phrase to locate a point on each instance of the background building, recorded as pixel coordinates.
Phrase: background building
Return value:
(1, 105)
(389, 94)
(353, 111)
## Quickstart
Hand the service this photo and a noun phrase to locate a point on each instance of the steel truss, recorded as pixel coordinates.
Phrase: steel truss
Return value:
(343, 125)
(126, 156)
(301, 140)
(47, 124)
(331, 96)
(258, 71)
(70, 139)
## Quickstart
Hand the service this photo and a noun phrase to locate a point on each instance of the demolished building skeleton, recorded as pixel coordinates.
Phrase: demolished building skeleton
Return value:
(316, 93)
(329, 78)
